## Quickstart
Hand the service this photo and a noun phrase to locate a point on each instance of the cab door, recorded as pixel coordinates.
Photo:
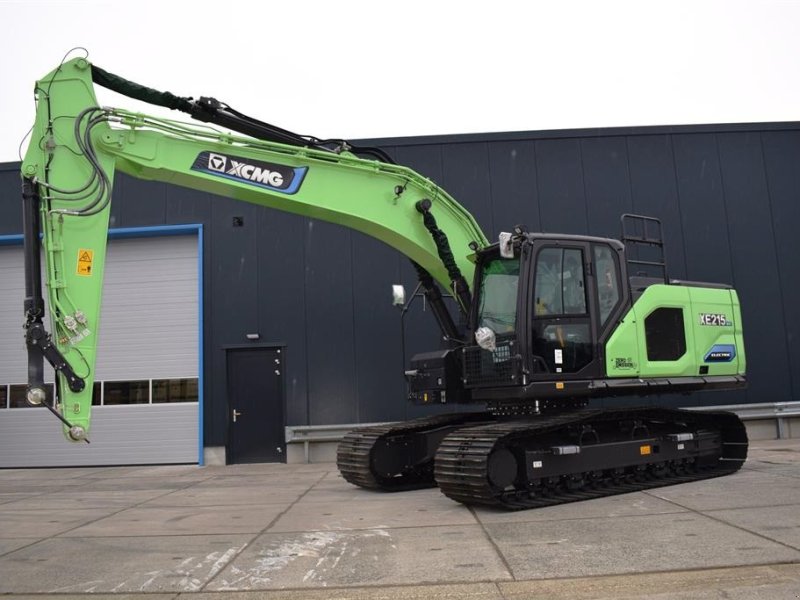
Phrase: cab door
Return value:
(563, 333)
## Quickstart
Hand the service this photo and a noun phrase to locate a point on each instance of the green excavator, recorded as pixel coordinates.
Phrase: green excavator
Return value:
(547, 322)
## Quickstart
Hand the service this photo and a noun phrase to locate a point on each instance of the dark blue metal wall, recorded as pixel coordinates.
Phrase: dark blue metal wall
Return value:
(729, 197)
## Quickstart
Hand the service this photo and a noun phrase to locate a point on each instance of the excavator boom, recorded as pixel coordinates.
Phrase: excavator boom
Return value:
(76, 148)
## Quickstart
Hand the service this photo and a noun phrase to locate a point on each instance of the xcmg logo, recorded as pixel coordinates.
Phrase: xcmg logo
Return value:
(220, 163)
(217, 162)
(280, 178)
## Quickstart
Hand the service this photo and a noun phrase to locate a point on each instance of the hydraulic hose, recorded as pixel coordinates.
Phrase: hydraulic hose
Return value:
(459, 284)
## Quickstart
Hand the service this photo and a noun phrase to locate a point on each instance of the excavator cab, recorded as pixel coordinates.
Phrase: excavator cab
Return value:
(558, 319)
(542, 313)
(543, 305)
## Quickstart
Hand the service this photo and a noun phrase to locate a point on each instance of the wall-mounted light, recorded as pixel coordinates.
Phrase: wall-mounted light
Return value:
(253, 336)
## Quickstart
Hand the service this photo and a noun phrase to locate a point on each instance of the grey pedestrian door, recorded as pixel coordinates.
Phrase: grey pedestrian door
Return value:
(255, 404)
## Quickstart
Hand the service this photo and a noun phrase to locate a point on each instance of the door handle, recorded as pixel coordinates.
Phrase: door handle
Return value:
(236, 413)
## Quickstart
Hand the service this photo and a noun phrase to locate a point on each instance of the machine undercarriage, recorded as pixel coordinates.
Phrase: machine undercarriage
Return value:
(514, 464)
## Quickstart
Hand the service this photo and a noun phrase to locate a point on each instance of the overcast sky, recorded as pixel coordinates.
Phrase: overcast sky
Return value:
(357, 69)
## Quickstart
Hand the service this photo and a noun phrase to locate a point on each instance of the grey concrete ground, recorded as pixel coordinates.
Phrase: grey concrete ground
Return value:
(299, 531)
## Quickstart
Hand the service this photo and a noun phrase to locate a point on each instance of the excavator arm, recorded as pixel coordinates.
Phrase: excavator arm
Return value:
(77, 146)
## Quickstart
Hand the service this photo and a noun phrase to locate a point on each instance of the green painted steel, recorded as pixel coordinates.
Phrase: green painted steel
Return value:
(711, 319)
(341, 189)
(74, 285)
(375, 198)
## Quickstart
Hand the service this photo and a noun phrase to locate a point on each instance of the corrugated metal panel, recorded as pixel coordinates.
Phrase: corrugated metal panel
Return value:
(755, 261)
(281, 298)
(13, 356)
(330, 341)
(149, 330)
(120, 435)
(781, 152)
(148, 324)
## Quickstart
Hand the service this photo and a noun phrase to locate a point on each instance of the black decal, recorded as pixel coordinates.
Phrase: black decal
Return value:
(624, 363)
(272, 176)
(715, 320)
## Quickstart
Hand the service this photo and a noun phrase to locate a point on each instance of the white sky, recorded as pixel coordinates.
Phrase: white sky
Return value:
(372, 68)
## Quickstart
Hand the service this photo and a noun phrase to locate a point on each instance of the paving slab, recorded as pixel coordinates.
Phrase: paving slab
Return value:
(333, 488)
(751, 487)
(95, 596)
(365, 557)
(96, 565)
(289, 475)
(268, 468)
(774, 582)
(382, 513)
(73, 499)
(460, 591)
(7, 497)
(210, 495)
(11, 544)
(194, 520)
(633, 504)
(55, 473)
(167, 471)
(41, 486)
(32, 523)
(581, 547)
(778, 523)
(781, 456)
(268, 485)
(104, 484)
(776, 466)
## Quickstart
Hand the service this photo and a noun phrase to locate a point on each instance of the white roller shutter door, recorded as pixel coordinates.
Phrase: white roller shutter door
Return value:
(149, 330)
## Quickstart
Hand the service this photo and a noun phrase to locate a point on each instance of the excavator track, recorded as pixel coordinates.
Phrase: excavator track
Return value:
(398, 457)
(488, 464)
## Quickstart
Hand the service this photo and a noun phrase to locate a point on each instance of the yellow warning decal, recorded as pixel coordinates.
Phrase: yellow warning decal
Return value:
(645, 450)
(85, 258)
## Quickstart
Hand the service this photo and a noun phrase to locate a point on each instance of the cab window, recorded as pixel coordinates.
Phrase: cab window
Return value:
(559, 286)
(498, 295)
(607, 281)
(562, 334)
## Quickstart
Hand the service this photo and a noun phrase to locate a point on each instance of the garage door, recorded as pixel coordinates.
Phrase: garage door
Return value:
(146, 396)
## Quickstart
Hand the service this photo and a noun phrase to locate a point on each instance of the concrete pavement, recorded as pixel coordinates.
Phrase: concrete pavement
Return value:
(299, 531)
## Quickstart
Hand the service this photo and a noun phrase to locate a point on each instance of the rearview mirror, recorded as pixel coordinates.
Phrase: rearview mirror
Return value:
(398, 295)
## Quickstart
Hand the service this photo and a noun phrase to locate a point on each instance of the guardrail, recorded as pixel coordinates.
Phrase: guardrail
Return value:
(781, 412)
(314, 434)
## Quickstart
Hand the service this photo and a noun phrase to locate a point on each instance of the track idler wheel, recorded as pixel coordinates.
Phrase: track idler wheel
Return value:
(502, 468)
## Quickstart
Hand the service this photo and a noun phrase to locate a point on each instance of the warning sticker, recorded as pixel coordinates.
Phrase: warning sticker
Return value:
(85, 258)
